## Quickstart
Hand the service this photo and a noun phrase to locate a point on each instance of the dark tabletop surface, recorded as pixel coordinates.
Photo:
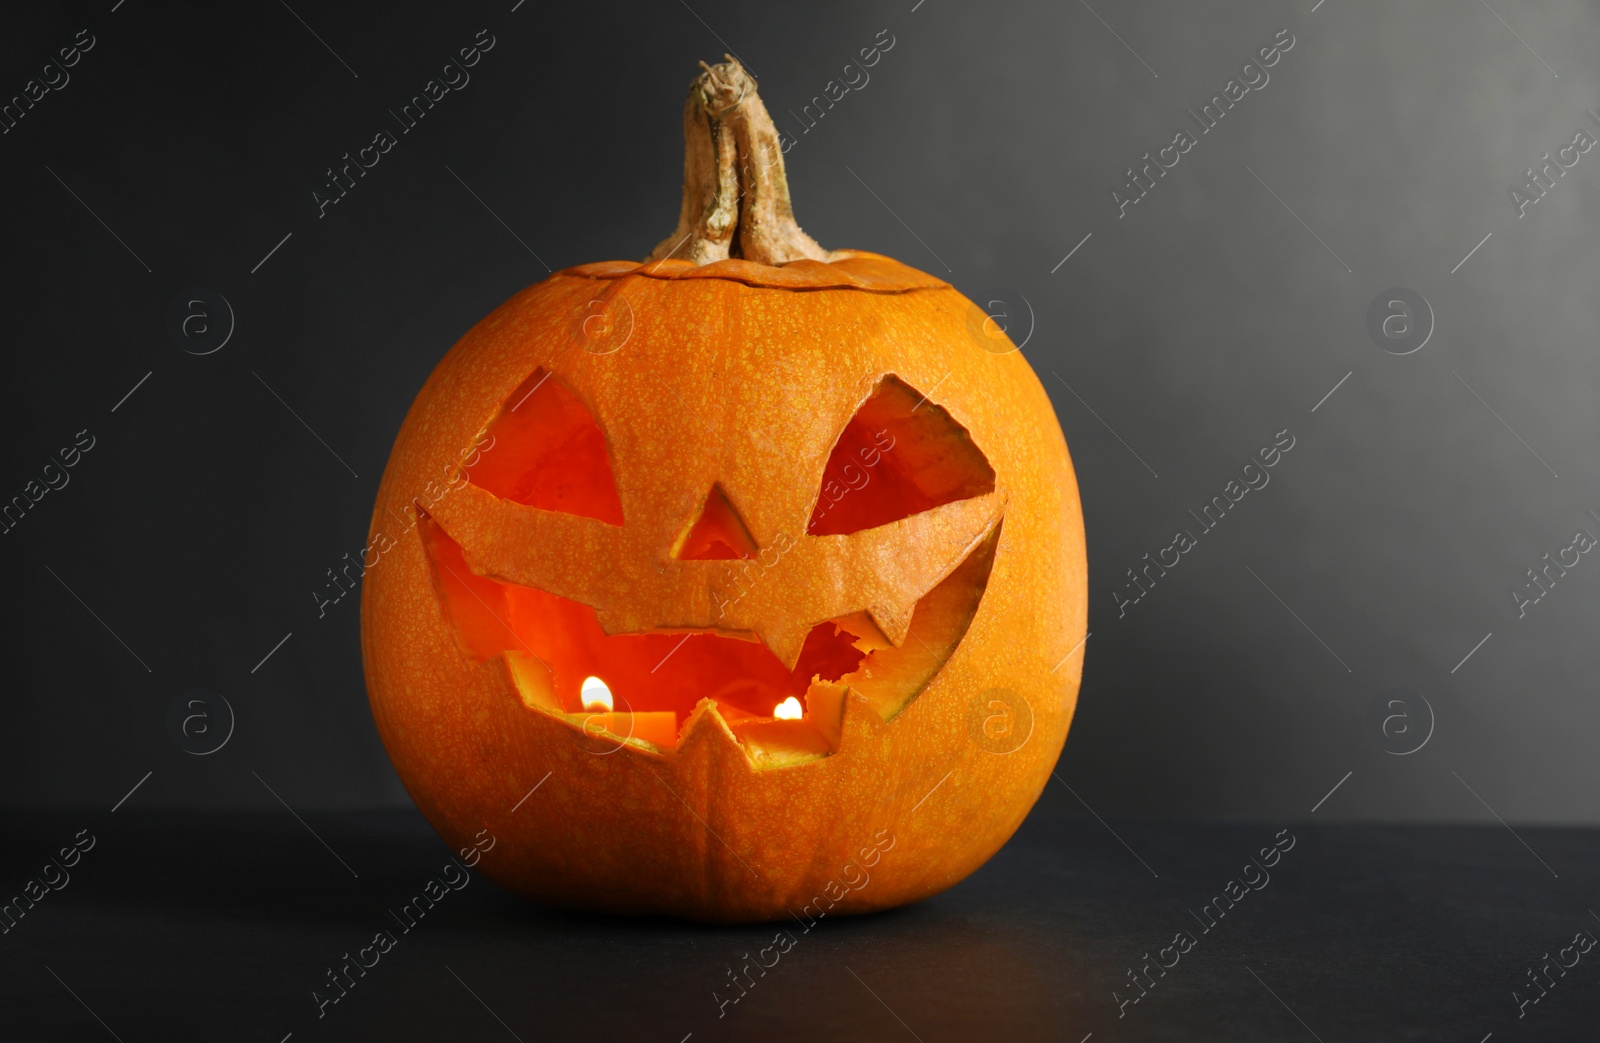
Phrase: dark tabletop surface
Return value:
(221, 926)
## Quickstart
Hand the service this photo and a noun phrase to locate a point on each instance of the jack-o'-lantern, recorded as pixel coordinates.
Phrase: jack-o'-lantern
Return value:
(744, 582)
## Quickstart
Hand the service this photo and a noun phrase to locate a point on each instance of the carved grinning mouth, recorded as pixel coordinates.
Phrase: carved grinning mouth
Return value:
(898, 462)
(551, 645)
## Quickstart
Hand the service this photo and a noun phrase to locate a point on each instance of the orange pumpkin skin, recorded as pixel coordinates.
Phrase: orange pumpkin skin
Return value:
(740, 375)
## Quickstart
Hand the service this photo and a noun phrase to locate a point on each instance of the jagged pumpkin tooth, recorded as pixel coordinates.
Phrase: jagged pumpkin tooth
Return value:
(786, 642)
(706, 733)
(894, 620)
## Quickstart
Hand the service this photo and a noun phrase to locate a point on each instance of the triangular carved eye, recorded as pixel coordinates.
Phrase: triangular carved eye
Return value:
(716, 534)
(547, 452)
(898, 456)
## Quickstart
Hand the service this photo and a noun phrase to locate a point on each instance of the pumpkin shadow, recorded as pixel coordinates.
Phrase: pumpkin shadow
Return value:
(954, 967)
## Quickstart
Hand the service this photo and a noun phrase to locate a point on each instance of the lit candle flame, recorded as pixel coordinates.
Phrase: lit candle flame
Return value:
(596, 696)
(789, 710)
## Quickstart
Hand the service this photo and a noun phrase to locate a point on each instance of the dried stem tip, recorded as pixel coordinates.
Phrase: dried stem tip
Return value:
(735, 193)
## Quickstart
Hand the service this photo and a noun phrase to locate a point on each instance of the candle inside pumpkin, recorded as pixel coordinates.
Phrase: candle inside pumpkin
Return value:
(659, 726)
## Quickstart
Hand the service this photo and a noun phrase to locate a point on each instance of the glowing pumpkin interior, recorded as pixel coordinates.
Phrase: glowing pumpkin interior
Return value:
(899, 455)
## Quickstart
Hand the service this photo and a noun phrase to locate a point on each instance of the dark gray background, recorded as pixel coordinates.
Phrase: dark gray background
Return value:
(1206, 320)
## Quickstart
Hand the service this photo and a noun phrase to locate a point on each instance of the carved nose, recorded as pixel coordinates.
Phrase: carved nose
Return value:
(715, 533)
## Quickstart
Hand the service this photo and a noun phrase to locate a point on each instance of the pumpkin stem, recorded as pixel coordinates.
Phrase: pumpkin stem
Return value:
(735, 192)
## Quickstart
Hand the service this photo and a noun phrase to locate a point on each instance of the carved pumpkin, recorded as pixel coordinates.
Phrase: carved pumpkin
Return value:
(805, 519)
